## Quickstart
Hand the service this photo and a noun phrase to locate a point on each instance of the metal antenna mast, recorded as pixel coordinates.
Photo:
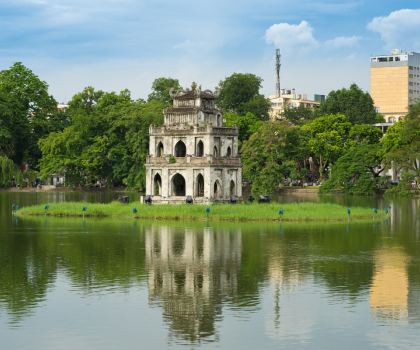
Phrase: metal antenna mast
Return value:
(278, 72)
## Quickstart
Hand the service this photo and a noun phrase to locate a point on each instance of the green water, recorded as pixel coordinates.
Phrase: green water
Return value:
(69, 283)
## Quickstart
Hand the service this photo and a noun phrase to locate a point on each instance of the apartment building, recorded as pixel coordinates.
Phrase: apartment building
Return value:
(394, 83)
(293, 100)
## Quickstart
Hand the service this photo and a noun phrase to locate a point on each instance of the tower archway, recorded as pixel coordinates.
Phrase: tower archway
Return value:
(180, 149)
(217, 189)
(232, 188)
(178, 185)
(215, 153)
(159, 150)
(229, 152)
(157, 185)
(199, 189)
(200, 149)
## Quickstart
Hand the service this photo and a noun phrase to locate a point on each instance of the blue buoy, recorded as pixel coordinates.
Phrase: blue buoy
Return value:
(46, 208)
(13, 206)
(83, 210)
(389, 206)
(348, 211)
(16, 208)
(208, 211)
(375, 211)
(135, 211)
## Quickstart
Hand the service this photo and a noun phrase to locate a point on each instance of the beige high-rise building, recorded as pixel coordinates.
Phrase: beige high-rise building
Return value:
(394, 83)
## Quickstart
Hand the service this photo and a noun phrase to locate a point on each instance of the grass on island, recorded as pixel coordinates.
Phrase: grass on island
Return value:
(240, 212)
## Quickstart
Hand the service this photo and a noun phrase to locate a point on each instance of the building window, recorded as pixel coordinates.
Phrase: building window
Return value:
(383, 59)
(391, 59)
(397, 58)
(410, 75)
(410, 91)
(410, 68)
(410, 83)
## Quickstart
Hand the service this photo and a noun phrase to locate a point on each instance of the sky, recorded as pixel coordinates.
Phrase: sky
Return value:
(117, 44)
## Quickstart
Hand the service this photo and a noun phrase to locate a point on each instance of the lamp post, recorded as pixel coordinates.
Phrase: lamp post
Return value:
(208, 211)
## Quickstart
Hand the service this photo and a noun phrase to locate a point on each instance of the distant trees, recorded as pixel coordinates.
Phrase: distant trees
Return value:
(353, 103)
(160, 89)
(241, 94)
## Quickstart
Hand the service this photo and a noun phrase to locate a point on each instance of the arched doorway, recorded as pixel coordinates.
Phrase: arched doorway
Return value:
(219, 120)
(157, 185)
(178, 185)
(200, 149)
(215, 154)
(199, 192)
(232, 189)
(217, 189)
(180, 149)
(160, 150)
(229, 152)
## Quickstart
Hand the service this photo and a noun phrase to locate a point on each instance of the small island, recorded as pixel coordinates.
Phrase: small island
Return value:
(238, 212)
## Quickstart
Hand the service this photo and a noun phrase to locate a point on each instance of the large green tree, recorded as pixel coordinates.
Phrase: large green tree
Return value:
(241, 94)
(357, 171)
(328, 138)
(25, 106)
(355, 104)
(160, 89)
(266, 155)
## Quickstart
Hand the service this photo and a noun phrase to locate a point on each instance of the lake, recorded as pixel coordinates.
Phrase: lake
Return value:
(103, 283)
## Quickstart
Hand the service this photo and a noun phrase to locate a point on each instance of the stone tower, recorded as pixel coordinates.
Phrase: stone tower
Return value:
(193, 154)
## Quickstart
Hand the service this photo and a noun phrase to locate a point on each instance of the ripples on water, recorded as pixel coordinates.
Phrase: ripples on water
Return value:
(124, 284)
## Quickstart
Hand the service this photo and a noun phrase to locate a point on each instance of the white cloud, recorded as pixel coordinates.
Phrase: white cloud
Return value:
(341, 41)
(292, 37)
(399, 28)
(188, 46)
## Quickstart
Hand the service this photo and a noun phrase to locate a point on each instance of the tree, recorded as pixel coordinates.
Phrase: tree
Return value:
(355, 104)
(160, 89)
(357, 171)
(9, 171)
(265, 156)
(247, 125)
(296, 115)
(240, 94)
(329, 134)
(404, 144)
(363, 134)
(24, 109)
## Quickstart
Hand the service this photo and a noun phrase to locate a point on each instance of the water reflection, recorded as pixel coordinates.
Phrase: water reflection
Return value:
(191, 271)
(388, 292)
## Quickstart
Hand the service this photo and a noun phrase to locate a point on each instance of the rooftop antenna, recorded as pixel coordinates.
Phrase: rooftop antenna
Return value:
(278, 72)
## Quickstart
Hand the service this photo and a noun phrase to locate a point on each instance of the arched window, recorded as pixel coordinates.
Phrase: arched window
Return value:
(219, 120)
(229, 152)
(199, 192)
(200, 149)
(180, 149)
(232, 188)
(157, 186)
(217, 189)
(178, 185)
(160, 150)
(215, 153)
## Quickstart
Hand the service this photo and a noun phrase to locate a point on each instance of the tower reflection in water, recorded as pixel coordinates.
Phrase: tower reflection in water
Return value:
(192, 271)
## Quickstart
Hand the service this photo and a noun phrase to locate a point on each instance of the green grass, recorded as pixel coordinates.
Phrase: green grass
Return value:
(240, 212)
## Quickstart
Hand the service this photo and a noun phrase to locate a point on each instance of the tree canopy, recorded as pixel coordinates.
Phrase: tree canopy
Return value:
(241, 94)
(160, 89)
(353, 103)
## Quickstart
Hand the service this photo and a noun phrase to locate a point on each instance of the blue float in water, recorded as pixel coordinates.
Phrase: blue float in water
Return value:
(134, 210)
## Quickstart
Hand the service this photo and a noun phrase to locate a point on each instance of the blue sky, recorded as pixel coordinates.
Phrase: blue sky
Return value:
(118, 44)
